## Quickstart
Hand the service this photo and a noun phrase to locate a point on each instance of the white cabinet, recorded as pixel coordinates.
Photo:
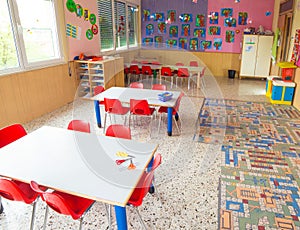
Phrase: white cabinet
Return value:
(256, 56)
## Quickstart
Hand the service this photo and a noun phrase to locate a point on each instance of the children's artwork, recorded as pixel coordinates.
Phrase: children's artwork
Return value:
(86, 14)
(185, 30)
(147, 41)
(161, 27)
(217, 43)
(214, 30)
(229, 36)
(158, 41)
(121, 26)
(146, 15)
(73, 31)
(200, 20)
(226, 12)
(71, 5)
(186, 17)
(199, 32)
(230, 22)
(205, 45)
(194, 44)
(159, 17)
(296, 49)
(171, 43)
(79, 10)
(171, 16)
(183, 43)
(243, 17)
(213, 18)
(173, 31)
(149, 29)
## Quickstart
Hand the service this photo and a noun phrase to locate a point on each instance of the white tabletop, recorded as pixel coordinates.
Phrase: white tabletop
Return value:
(125, 94)
(78, 163)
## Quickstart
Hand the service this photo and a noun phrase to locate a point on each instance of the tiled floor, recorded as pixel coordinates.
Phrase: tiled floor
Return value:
(187, 181)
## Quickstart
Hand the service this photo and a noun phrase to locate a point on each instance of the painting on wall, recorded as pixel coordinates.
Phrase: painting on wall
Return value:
(229, 36)
(186, 18)
(158, 41)
(199, 32)
(162, 28)
(205, 45)
(159, 17)
(171, 43)
(173, 31)
(243, 17)
(183, 43)
(226, 12)
(230, 22)
(149, 29)
(171, 16)
(147, 42)
(185, 30)
(194, 44)
(214, 30)
(200, 20)
(213, 18)
(217, 43)
(146, 15)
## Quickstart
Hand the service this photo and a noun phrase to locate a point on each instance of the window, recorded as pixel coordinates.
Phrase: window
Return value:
(118, 25)
(28, 36)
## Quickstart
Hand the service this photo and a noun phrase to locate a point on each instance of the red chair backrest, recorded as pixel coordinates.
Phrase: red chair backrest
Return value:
(159, 87)
(176, 107)
(183, 72)
(166, 71)
(139, 107)
(146, 70)
(203, 71)
(11, 133)
(112, 105)
(119, 131)
(79, 125)
(98, 89)
(157, 161)
(193, 63)
(179, 64)
(138, 85)
(134, 69)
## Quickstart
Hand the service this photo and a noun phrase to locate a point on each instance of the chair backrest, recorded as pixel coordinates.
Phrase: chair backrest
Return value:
(139, 107)
(183, 72)
(98, 89)
(159, 87)
(138, 85)
(79, 125)
(176, 107)
(119, 131)
(11, 133)
(146, 70)
(156, 161)
(166, 71)
(179, 64)
(193, 63)
(134, 69)
(113, 106)
(203, 71)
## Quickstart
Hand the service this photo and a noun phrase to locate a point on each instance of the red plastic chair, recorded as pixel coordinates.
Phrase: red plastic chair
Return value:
(11, 133)
(119, 131)
(179, 64)
(165, 73)
(140, 108)
(114, 106)
(63, 203)
(193, 63)
(159, 87)
(79, 125)
(138, 85)
(183, 73)
(134, 71)
(146, 72)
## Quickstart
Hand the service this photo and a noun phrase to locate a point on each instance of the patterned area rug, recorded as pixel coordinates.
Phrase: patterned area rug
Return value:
(260, 175)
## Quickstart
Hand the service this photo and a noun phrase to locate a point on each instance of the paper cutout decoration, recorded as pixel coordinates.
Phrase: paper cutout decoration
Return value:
(171, 43)
(214, 30)
(268, 13)
(296, 49)
(171, 16)
(149, 29)
(182, 43)
(200, 20)
(86, 14)
(146, 15)
(194, 44)
(186, 17)
(94, 29)
(213, 18)
(161, 28)
(230, 22)
(121, 25)
(205, 45)
(158, 41)
(71, 5)
(243, 17)
(159, 17)
(92, 19)
(199, 32)
(226, 12)
(217, 43)
(185, 30)
(89, 34)
(229, 36)
(173, 31)
(147, 41)
(73, 31)
(79, 11)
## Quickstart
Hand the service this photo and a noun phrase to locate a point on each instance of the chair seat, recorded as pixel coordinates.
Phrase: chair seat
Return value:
(135, 198)
(164, 109)
(121, 111)
(141, 112)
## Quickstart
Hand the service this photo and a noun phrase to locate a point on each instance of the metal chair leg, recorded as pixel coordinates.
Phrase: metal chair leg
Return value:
(1, 206)
(104, 122)
(46, 216)
(80, 222)
(108, 212)
(140, 218)
(33, 214)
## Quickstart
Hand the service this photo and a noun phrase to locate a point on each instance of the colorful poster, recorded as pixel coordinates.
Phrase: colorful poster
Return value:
(183, 43)
(230, 22)
(200, 20)
(147, 41)
(185, 30)
(199, 32)
(226, 12)
(158, 41)
(205, 45)
(161, 27)
(194, 44)
(213, 18)
(149, 29)
(229, 36)
(296, 49)
(159, 17)
(73, 31)
(173, 31)
(146, 15)
(186, 17)
(214, 30)
(217, 43)
(243, 17)
(171, 16)
(171, 43)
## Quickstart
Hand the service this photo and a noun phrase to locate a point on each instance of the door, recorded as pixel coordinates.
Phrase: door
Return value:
(263, 56)
(249, 55)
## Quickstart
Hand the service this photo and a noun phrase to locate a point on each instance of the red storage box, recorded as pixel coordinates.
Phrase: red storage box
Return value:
(287, 74)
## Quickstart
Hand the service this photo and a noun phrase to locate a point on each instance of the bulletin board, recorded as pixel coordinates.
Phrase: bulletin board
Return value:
(202, 25)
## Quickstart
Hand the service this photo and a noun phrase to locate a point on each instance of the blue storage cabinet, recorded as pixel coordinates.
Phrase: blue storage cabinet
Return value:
(282, 92)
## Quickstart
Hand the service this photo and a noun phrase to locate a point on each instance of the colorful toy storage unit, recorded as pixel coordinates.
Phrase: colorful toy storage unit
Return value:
(282, 92)
(287, 71)
(269, 84)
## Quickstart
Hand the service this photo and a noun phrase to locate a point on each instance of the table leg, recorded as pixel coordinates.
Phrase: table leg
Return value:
(198, 81)
(170, 113)
(97, 112)
(121, 217)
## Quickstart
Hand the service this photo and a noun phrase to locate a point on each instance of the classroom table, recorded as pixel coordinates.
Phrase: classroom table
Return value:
(78, 163)
(125, 94)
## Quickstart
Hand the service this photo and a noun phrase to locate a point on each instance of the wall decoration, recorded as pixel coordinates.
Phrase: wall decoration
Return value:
(71, 5)
(226, 12)
(214, 30)
(173, 31)
(89, 34)
(86, 14)
(147, 41)
(146, 15)
(194, 44)
(79, 10)
(205, 45)
(171, 16)
(200, 20)
(73, 31)
(171, 43)
(217, 43)
(94, 29)
(185, 30)
(183, 43)
(296, 49)
(199, 32)
(243, 17)
(161, 27)
(159, 17)
(121, 26)
(213, 18)
(149, 29)
(92, 19)
(186, 18)
(229, 36)
(158, 41)
(268, 13)
(230, 22)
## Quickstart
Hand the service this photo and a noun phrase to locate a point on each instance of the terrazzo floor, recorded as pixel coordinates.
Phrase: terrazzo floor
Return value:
(187, 180)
